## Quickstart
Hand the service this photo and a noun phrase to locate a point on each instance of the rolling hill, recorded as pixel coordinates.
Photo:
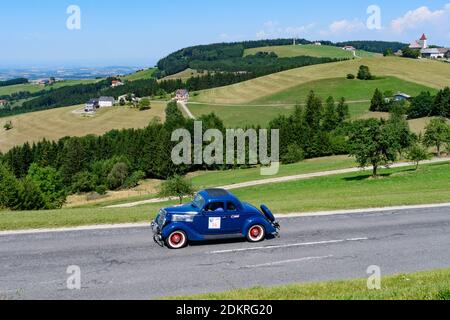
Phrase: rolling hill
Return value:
(30, 87)
(425, 72)
(57, 123)
(308, 50)
(140, 75)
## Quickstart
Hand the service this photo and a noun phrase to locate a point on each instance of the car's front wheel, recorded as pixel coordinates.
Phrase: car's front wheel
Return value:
(256, 233)
(177, 240)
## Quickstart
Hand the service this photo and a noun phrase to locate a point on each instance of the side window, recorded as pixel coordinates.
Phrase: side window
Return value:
(231, 206)
(215, 207)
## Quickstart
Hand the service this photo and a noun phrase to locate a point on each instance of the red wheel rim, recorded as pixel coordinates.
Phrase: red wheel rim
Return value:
(255, 232)
(176, 238)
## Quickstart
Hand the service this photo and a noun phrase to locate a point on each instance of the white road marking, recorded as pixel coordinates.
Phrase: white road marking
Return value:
(303, 244)
(276, 263)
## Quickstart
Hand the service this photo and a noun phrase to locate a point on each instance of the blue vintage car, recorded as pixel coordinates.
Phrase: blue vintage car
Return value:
(214, 214)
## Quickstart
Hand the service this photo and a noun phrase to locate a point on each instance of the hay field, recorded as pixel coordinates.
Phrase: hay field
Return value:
(429, 73)
(57, 123)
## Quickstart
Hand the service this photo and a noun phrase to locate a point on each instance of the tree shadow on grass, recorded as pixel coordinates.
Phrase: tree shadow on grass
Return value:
(380, 176)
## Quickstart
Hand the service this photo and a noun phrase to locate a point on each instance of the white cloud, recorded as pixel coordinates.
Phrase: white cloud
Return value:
(273, 29)
(420, 17)
(344, 26)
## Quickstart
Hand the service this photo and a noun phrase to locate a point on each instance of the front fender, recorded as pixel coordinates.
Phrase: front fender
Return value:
(258, 220)
(191, 234)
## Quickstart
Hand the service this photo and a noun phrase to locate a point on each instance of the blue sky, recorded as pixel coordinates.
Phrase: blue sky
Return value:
(139, 32)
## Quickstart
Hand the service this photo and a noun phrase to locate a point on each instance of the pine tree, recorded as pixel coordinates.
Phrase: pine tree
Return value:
(377, 103)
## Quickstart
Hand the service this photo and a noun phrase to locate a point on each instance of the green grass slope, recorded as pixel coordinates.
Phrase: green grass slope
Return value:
(308, 50)
(430, 285)
(351, 90)
(429, 73)
(140, 75)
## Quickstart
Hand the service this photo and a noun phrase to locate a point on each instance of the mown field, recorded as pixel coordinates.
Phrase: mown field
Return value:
(184, 75)
(58, 123)
(309, 50)
(140, 75)
(429, 73)
(430, 285)
(261, 111)
(401, 186)
(351, 90)
(240, 116)
(28, 87)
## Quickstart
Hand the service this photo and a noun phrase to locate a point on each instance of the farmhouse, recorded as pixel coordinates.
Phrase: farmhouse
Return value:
(349, 48)
(317, 43)
(400, 96)
(105, 102)
(433, 53)
(3, 102)
(116, 83)
(182, 95)
(91, 105)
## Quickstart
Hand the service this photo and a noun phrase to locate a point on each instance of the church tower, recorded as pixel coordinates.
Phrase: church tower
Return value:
(423, 41)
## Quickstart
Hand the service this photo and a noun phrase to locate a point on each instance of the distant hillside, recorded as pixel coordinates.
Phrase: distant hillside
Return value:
(211, 57)
(309, 50)
(140, 75)
(429, 73)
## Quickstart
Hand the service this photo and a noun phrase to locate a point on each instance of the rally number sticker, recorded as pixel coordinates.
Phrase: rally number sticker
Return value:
(215, 223)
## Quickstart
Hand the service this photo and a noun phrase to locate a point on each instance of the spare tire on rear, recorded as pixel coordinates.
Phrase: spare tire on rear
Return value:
(269, 215)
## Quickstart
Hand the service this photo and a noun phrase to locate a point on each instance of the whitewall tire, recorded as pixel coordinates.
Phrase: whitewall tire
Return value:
(256, 233)
(177, 240)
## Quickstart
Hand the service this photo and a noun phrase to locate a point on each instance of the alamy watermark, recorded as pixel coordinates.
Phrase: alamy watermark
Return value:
(374, 19)
(241, 147)
(74, 279)
(73, 22)
(374, 280)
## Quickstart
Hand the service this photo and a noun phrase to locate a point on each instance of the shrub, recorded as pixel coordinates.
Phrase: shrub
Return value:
(83, 182)
(9, 188)
(176, 187)
(133, 180)
(51, 184)
(101, 190)
(364, 73)
(293, 154)
(8, 126)
(418, 153)
(30, 196)
(351, 76)
(118, 175)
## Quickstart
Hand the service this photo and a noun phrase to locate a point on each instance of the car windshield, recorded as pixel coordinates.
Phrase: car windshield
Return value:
(198, 202)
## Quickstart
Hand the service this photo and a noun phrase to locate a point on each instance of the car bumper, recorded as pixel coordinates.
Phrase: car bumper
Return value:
(157, 236)
(277, 227)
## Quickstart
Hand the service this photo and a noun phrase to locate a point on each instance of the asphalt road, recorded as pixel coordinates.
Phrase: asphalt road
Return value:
(126, 264)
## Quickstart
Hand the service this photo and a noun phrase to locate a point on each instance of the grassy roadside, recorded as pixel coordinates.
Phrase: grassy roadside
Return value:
(401, 186)
(432, 285)
(207, 179)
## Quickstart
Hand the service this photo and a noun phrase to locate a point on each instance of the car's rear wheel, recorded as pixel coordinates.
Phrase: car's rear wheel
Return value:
(176, 240)
(256, 233)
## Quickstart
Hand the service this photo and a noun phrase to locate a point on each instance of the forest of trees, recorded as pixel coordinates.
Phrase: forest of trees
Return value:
(230, 56)
(12, 82)
(120, 158)
(423, 105)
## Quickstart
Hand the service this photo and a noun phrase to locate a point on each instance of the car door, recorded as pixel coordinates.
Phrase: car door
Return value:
(213, 219)
(233, 219)
(220, 218)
